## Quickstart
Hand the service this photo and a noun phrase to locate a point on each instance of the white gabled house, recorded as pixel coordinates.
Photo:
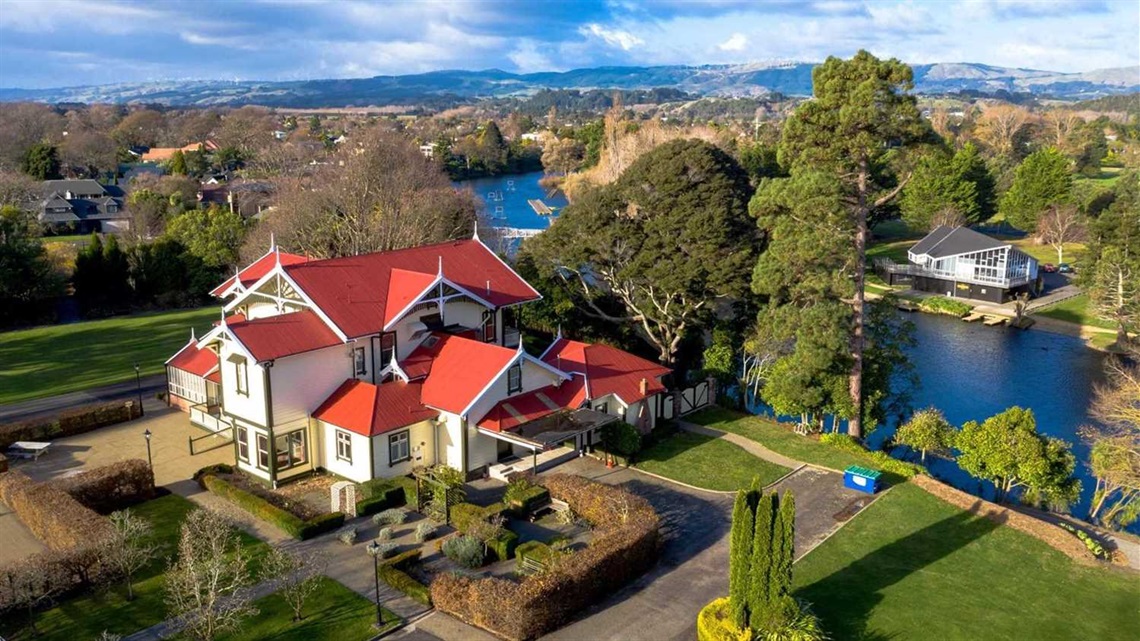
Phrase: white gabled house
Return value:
(368, 366)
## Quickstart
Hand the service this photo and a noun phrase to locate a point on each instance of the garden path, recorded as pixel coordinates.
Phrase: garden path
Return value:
(750, 446)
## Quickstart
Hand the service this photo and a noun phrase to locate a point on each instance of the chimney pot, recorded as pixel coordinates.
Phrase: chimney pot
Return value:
(644, 386)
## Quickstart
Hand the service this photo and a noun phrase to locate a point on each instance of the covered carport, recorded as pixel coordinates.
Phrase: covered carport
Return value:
(552, 439)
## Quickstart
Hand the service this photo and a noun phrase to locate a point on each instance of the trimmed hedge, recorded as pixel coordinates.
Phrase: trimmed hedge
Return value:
(944, 305)
(59, 521)
(503, 546)
(534, 551)
(626, 543)
(464, 515)
(524, 502)
(111, 487)
(290, 523)
(879, 459)
(392, 572)
(75, 421)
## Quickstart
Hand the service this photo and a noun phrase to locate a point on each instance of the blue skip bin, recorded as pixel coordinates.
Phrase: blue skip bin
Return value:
(861, 479)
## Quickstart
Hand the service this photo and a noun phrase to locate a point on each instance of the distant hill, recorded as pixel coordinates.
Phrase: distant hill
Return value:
(450, 87)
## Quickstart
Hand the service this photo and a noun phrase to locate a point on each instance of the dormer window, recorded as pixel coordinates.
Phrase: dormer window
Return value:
(514, 379)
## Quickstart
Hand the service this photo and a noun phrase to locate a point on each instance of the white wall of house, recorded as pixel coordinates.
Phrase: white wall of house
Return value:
(303, 381)
(251, 405)
(421, 446)
(358, 468)
(533, 377)
(481, 450)
(465, 313)
(260, 308)
(449, 443)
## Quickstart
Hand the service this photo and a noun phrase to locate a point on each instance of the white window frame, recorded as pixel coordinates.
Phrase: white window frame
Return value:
(262, 452)
(400, 440)
(243, 443)
(290, 439)
(514, 379)
(359, 362)
(241, 372)
(344, 446)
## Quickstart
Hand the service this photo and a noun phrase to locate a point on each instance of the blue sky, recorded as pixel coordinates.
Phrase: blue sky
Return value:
(49, 43)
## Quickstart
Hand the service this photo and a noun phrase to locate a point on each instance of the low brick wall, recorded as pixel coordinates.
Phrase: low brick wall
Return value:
(1046, 532)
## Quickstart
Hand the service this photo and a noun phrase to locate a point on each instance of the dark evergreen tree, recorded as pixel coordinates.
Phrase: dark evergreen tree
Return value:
(761, 566)
(41, 162)
(1041, 180)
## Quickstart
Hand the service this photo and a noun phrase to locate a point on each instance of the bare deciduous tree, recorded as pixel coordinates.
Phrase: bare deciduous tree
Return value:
(130, 549)
(298, 575)
(1001, 127)
(1059, 123)
(206, 586)
(385, 196)
(1058, 225)
(32, 582)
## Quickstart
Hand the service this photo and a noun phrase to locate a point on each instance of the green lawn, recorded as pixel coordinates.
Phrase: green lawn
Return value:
(1107, 177)
(85, 617)
(777, 438)
(55, 359)
(1075, 310)
(707, 462)
(82, 239)
(915, 567)
(1045, 253)
(894, 250)
(332, 613)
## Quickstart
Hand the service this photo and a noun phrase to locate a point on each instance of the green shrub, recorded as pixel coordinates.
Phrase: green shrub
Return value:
(404, 559)
(402, 581)
(465, 515)
(424, 531)
(215, 469)
(881, 460)
(391, 516)
(944, 305)
(385, 534)
(465, 550)
(408, 485)
(503, 546)
(524, 497)
(534, 551)
(347, 535)
(108, 488)
(385, 549)
(622, 438)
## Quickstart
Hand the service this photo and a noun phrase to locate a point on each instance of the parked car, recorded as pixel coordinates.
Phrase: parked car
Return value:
(1049, 268)
(1065, 268)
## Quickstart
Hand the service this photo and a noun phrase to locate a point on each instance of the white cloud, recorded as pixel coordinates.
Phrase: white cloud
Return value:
(233, 42)
(528, 58)
(906, 15)
(737, 42)
(613, 37)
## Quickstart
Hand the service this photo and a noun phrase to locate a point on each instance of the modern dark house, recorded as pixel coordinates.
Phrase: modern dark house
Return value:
(961, 263)
(84, 204)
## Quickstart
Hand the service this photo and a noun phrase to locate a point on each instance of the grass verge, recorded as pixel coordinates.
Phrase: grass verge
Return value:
(706, 461)
(1077, 310)
(332, 613)
(56, 359)
(916, 567)
(87, 616)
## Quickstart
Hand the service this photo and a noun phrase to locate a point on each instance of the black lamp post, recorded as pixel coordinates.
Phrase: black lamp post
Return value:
(138, 388)
(149, 462)
(374, 550)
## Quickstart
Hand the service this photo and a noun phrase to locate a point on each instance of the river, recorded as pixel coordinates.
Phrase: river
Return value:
(967, 370)
(505, 198)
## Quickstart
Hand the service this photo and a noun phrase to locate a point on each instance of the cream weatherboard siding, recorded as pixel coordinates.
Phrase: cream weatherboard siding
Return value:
(357, 469)
(303, 381)
(251, 406)
(421, 447)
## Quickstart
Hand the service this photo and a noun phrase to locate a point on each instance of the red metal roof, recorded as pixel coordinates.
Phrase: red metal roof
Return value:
(256, 270)
(196, 361)
(282, 335)
(354, 291)
(608, 370)
(460, 369)
(369, 409)
(512, 412)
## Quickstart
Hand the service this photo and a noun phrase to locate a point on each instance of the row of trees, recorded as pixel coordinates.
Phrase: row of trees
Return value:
(1005, 449)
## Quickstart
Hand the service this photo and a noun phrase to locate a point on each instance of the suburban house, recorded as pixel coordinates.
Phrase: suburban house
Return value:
(246, 197)
(164, 154)
(368, 366)
(85, 204)
(962, 263)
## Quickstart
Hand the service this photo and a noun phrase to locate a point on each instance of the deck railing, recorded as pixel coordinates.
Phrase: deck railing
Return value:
(889, 266)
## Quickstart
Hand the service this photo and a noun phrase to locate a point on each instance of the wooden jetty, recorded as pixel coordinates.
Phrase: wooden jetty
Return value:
(969, 318)
(995, 320)
(906, 305)
(539, 207)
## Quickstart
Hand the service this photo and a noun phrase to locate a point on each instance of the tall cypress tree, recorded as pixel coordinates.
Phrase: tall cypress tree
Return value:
(758, 604)
(740, 557)
(781, 587)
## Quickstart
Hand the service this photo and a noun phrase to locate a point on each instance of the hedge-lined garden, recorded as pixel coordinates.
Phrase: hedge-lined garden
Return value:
(625, 544)
(68, 423)
(212, 479)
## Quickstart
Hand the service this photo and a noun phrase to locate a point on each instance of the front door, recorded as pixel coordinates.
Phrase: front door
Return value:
(504, 450)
